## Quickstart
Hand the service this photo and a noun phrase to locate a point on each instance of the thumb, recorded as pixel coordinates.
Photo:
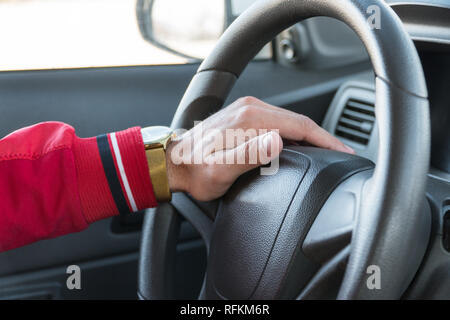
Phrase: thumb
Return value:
(270, 146)
(255, 152)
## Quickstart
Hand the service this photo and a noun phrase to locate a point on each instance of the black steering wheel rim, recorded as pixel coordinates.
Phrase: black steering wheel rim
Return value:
(403, 121)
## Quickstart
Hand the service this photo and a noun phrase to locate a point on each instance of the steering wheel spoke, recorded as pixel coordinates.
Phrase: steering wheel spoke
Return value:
(197, 217)
(332, 229)
(325, 283)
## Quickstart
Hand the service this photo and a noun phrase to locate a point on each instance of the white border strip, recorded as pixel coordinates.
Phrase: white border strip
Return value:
(115, 146)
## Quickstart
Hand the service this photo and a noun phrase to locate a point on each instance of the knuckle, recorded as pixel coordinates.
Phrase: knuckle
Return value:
(305, 119)
(248, 100)
(246, 112)
(214, 177)
(307, 122)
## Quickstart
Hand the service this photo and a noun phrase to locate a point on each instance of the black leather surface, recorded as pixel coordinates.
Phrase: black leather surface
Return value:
(161, 222)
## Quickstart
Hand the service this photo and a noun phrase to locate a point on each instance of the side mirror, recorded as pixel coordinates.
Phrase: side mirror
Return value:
(187, 28)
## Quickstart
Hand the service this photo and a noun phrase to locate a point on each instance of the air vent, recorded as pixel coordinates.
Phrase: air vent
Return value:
(356, 121)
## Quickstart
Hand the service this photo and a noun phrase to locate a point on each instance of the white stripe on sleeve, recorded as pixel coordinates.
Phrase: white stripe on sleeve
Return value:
(123, 175)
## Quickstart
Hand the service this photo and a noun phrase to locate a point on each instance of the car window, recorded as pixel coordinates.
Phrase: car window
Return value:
(52, 34)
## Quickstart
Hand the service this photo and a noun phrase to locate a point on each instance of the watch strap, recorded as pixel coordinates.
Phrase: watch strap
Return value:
(156, 159)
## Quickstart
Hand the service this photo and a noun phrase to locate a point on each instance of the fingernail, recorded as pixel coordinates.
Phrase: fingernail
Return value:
(349, 149)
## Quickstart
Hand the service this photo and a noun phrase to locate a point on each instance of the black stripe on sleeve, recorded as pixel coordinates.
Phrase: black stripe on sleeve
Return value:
(111, 174)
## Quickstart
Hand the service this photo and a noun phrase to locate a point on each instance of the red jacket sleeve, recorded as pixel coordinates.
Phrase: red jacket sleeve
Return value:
(53, 183)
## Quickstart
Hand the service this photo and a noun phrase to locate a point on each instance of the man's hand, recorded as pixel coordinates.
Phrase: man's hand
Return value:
(205, 161)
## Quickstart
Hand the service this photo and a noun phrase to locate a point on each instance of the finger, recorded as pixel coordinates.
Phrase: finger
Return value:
(249, 155)
(215, 140)
(322, 138)
(291, 125)
(316, 135)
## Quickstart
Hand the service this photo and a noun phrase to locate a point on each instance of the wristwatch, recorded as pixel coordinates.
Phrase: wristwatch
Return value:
(156, 140)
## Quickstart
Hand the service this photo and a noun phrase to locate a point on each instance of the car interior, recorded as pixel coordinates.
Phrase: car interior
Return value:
(311, 230)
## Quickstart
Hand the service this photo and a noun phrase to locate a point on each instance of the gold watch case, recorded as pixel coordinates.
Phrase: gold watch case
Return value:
(156, 137)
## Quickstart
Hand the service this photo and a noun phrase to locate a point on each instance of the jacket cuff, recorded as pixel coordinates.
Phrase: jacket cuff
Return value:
(113, 175)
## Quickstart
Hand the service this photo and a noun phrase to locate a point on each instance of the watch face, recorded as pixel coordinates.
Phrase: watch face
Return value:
(155, 134)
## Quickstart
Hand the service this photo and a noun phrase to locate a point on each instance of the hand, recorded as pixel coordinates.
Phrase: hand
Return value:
(205, 161)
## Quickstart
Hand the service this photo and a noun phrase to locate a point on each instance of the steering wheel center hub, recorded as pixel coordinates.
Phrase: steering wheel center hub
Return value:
(269, 216)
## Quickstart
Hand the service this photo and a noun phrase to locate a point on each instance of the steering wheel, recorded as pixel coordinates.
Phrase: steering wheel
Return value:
(328, 224)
